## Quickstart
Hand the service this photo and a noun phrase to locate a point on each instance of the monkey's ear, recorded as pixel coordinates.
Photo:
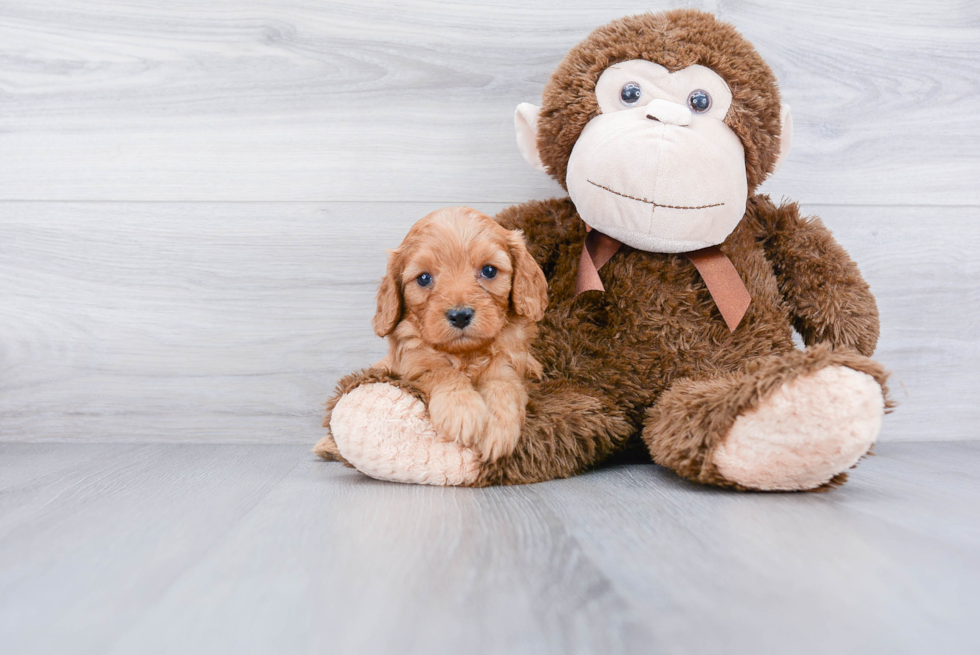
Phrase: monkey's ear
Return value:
(785, 135)
(389, 298)
(526, 122)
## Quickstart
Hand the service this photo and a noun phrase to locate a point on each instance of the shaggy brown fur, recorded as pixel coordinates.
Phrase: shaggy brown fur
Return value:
(651, 355)
(675, 40)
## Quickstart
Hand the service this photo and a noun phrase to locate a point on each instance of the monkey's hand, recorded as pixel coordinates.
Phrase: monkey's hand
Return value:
(828, 298)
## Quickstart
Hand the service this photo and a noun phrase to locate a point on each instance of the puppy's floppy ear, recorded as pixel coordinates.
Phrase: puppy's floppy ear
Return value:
(530, 289)
(389, 297)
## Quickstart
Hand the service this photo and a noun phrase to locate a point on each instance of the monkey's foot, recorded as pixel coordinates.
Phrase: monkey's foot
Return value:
(805, 433)
(386, 433)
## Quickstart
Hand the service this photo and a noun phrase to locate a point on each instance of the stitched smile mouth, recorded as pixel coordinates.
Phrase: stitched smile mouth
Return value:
(650, 202)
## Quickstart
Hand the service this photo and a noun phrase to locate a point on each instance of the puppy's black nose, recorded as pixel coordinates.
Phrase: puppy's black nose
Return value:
(460, 317)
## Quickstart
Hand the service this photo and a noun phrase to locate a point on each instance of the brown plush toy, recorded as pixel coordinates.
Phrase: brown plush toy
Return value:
(674, 289)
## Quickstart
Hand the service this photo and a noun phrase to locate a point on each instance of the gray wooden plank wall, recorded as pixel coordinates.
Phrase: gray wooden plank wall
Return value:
(195, 198)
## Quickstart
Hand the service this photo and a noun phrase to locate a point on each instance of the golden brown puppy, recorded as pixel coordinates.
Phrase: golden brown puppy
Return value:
(459, 306)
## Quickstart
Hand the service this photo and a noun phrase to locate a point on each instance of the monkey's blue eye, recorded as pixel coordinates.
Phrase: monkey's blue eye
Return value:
(630, 93)
(699, 101)
(489, 271)
(424, 280)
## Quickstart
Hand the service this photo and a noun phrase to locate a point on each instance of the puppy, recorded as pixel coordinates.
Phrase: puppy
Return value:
(459, 306)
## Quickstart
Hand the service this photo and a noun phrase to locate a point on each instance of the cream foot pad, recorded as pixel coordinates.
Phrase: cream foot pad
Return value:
(808, 431)
(386, 433)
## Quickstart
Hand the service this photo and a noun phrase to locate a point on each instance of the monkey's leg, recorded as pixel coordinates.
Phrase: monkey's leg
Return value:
(788, 422)
(327, 446)
(383, 430)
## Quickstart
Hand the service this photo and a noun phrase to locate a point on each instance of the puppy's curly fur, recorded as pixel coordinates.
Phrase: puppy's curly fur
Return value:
(459, 306)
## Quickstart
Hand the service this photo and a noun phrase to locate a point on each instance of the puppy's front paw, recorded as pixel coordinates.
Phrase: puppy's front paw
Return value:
(499, 440)
(459, 415)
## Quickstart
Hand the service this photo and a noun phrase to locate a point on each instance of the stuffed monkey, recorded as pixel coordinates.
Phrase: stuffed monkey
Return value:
(674, 288)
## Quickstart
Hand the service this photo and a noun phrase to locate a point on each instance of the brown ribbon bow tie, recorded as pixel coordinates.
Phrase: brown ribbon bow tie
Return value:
(719, 274)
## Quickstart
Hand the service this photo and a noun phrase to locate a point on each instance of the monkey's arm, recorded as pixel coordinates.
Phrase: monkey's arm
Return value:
(827, 296)
(548, 226)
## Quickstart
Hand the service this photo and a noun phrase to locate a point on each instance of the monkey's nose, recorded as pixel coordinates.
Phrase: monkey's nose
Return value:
(460, 317)
(668, 113)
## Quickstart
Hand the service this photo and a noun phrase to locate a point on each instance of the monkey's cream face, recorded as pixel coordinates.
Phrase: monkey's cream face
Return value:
(659, 169)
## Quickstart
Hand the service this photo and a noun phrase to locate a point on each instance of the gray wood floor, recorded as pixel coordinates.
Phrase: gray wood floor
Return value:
(116, 548)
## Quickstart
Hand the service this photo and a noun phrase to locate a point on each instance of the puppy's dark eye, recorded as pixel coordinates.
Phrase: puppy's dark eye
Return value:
(424, 280)
(489, 272)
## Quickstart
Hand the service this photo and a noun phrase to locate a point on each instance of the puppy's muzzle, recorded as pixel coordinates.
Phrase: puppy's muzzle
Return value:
(460, 317)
